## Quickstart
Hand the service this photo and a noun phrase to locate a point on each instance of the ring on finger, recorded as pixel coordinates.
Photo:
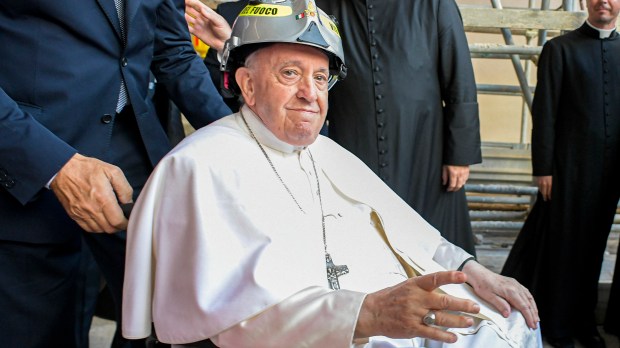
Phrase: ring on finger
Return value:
(429, 318)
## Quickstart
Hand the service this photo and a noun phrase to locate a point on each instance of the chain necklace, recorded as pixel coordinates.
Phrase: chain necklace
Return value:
(333, 271)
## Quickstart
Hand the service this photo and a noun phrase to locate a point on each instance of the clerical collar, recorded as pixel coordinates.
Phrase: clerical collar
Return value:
(265, 136)
(602, 33)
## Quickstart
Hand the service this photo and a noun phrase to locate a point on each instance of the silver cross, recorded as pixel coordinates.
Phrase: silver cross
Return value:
(334, 271)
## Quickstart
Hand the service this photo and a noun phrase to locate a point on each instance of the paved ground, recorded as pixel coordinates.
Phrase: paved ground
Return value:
(101, 333)
(492, 252)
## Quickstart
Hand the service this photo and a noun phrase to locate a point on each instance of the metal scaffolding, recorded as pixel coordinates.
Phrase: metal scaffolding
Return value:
(532, 23)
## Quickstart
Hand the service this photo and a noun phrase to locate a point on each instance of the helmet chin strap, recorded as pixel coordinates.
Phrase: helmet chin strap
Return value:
(226, 87)
(335, 77)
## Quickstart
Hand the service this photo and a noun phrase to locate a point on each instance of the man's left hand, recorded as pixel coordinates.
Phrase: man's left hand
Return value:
(454, 177)
(502, 292)
(90, 190)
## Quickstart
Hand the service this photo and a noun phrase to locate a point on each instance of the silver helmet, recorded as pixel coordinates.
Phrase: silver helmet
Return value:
(264, 22)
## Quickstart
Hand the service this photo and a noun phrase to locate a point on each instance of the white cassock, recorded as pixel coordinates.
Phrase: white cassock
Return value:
(218, 248)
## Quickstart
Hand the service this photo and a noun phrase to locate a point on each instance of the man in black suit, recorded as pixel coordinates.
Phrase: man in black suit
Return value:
(78, 137)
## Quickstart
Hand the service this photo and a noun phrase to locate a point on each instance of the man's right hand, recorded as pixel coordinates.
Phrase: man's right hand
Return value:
(397, 311)
(544, 184)
(206, 24)
(90, 191)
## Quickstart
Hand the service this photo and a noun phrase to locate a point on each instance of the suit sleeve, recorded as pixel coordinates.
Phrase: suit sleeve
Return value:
(458, 90)
(29, 153)
(177, 66)
(545, 108)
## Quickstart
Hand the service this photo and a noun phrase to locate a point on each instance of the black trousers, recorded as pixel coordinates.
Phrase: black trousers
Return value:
(37, 291)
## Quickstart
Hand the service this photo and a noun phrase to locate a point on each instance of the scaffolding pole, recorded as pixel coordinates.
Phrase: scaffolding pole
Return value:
(516, 62)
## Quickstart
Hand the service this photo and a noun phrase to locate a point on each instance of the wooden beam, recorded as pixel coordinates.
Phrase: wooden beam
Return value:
(483, 17)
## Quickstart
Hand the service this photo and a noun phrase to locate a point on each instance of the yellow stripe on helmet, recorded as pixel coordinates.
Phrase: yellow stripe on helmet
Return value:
(266, 11)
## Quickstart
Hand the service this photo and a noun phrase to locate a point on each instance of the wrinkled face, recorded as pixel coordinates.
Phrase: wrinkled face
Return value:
(603, 13)
(286, 86)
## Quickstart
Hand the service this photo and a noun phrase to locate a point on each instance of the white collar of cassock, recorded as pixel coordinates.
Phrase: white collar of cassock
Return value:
(264, 135)
(602, 33)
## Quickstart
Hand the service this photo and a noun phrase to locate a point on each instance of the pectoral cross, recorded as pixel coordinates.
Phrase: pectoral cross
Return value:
(334, 271)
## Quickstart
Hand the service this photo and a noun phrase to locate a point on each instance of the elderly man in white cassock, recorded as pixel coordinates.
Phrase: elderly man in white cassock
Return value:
(256, 231)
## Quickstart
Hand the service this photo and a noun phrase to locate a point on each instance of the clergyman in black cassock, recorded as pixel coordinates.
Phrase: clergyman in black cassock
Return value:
(575, 139)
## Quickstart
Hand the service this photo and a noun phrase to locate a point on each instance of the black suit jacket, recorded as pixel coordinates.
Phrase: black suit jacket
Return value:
(62, 64)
